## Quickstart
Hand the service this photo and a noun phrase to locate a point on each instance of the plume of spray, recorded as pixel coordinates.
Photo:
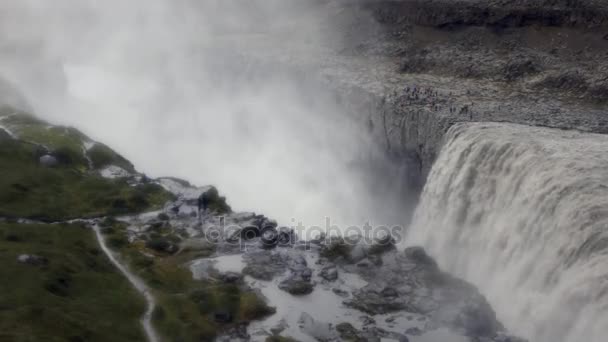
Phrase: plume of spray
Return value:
(169, 85)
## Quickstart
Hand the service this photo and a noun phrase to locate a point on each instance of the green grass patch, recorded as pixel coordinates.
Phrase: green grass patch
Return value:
(66, 143)
(30, 190)
(102, 156)
(76, 295)
(187, 307)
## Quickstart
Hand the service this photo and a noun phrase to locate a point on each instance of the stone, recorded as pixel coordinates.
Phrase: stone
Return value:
(34, 260)
(222, 317)
(329, 273)
(415, 331)
(287, 237)
(48, 161)
(389, 292)
(348, 332)
(264, 265)
(418, 254)
(296, 286)
(231, 277)
(340, 292)
(269, 237)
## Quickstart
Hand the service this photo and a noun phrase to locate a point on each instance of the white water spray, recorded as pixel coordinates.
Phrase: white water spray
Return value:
(522, 212)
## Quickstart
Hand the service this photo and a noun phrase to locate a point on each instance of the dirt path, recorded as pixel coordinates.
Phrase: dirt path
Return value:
(139, 285)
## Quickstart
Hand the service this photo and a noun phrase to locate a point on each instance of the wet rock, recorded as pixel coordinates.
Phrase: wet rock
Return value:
(382, 245)
(163, 217)
(340, 292)
(336, 249)
(367, 320)
(236, 333)
(231, 277)
(348, 332)
(418, 254)
(280, 327)
(264, 265)
(412, 282)
(389, 292)
(250, 227)
(48, 161)
(287, 237)
(162, 244)
(318, 330)
(503, 337)
(269, 238)
(222, 317)
(364, 263)
(415, 331)
(329, 273)
(370, 300)
(298, 281)
(478, 319)
(296, 286)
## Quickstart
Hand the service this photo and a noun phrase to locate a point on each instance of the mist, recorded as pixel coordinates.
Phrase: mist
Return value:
(169, 85)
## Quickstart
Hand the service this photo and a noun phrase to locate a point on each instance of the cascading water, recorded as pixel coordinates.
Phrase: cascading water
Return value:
(522, 212)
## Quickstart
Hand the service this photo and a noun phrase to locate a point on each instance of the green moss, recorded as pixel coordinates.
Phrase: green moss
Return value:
(30, 190)
(187, 307)
(66, 143)
(77, 295)
(15, 117)
(102, 156)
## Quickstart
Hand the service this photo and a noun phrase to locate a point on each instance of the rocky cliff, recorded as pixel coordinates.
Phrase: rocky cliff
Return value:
(410, 69)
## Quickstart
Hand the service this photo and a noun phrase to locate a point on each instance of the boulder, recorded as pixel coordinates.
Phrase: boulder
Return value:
(286, 237)
(329, 273)
(231, 277)
(418, 255)
(298, 282)
(48, 160)
(264, 265)
(269, 237)
(222, 317)
(296, 286)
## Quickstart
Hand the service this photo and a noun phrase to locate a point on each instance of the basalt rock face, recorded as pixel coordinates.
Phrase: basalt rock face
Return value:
(496, 13)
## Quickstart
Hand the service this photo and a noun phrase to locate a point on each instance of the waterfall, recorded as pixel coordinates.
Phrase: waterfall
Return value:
(522, 212)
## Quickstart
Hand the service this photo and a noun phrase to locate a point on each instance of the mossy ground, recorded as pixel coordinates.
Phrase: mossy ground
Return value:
(102, 156)
(186, 307)
(77, 296)
(30, 190)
